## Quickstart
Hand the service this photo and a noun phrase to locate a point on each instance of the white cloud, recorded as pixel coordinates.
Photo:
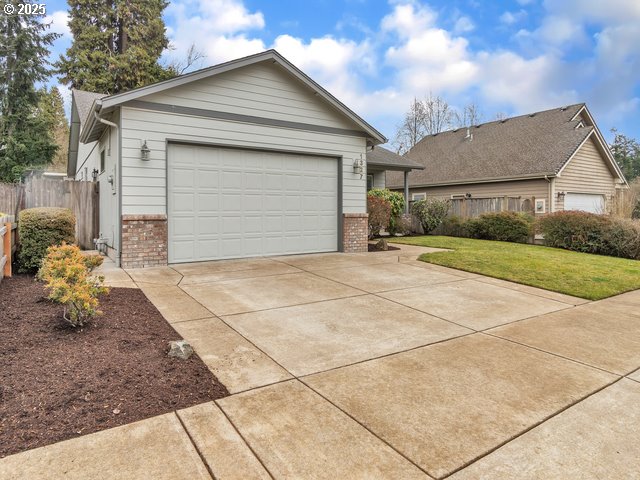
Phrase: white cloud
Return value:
(218, 28)
(509, 18)
(463, 25)
(59, 21)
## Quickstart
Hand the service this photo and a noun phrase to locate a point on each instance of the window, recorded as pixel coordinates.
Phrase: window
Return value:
(540, 205)
(418, 196)
(102, 160)
(369, 182)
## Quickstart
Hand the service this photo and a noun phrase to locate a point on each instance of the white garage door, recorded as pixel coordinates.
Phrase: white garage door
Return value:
(586, 202)
(232, 203)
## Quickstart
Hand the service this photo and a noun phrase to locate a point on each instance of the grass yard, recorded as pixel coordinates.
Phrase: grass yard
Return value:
(579, 274)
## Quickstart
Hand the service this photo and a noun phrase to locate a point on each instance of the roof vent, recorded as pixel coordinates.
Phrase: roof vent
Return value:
(562, 109)
(532, 114)
(504, 120)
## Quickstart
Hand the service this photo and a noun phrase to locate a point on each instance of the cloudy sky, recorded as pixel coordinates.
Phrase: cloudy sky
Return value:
(511, 57)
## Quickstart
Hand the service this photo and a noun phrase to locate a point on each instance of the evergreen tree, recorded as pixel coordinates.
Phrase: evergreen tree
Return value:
(626, 151)
(24, 135)
(116, 45)
(52, 110)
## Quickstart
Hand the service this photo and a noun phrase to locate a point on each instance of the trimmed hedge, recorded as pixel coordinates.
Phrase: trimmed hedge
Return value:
(592, 233)
(41, 228)
(379, 214)
(396, 200)
(501, 226)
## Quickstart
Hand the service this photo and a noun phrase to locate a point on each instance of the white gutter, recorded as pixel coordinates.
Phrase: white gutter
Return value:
(103, 121)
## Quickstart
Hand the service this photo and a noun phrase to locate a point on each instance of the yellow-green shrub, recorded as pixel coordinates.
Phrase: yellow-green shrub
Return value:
(40, 228)
(70, 283)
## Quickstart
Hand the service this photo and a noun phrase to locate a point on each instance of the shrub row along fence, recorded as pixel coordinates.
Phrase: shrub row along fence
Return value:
(474, 207)
(80, 197)
(7, 245)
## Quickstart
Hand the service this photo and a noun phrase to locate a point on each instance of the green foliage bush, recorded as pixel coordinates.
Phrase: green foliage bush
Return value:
(40, 228)
(452, 226)
(501, 226)
(69, 282)
(592, 233)
(396, 199)
(379, 214)
(430, 212)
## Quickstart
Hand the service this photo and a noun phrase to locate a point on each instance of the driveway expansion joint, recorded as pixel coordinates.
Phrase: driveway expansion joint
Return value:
(195, 446)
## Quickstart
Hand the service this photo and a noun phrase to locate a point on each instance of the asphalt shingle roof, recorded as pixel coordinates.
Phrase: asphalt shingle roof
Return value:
(84, 100)
(381, 157)
(536, 144)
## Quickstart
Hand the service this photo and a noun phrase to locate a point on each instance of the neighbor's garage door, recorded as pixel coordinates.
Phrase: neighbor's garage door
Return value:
(586, 202)
(232, 203)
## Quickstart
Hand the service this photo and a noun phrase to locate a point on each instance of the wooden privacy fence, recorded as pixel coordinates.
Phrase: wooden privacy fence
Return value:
(474, 207)
(80, 197)
(7, 245)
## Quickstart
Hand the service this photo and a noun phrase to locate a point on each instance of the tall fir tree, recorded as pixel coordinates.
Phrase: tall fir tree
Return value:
(52, 111)
(25, 140)
(116, 45)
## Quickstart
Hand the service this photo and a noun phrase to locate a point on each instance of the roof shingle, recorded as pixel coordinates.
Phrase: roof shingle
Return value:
(531, 145)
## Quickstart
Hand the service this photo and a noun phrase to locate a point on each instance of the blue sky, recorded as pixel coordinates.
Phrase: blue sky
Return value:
(511, 57)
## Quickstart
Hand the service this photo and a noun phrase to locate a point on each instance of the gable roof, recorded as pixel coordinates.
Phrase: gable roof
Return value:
(384, 158)
(81, 105)
(528, 146)
(106, 104)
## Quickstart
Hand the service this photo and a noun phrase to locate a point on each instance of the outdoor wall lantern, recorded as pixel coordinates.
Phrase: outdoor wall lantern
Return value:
(144, 152)
(358, 167)
(94, 174)
(561, 195)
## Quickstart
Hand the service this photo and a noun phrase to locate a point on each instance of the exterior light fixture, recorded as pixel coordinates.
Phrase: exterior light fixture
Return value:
(94, 174)
(561, 195)
(144, 152)
(358, 166)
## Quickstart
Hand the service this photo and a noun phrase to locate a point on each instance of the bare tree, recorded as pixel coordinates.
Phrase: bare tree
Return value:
(193, 58)
(412, 129)
(500, 116)
(438, 115)
(469, 117)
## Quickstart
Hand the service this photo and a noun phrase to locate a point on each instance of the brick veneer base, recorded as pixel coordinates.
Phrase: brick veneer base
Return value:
(355, 232)
(144, 241)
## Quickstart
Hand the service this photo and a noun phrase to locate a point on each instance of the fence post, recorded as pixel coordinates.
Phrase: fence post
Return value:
(6, 239)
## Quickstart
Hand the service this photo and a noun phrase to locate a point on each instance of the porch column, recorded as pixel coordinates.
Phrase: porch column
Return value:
(406, 191)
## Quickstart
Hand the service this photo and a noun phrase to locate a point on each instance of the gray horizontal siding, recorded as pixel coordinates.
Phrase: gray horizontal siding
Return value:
(524, 188)
(144, 191)
(262, 90)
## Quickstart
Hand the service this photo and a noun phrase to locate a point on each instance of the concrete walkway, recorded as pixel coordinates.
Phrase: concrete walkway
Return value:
(377, 366)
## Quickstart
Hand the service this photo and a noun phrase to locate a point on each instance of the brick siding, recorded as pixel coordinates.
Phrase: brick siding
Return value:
(355, 232)
(144, 241)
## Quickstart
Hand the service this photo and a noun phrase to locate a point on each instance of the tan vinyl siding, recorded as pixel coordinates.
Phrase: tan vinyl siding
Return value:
(261, 90)
(144, 183)
(520, 188)
(587, 172)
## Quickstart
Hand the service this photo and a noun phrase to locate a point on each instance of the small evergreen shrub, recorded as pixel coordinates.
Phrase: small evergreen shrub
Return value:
(68, 278)
(430, 212)
(592, 233)
(396, 200)
(501, 226)
(40, 228)
(379, 214)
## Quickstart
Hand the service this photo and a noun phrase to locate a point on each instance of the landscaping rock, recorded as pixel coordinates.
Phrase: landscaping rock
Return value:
(382, 245)
(180, 349)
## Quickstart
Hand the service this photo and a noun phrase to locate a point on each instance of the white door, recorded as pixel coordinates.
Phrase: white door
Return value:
(233, 203)
(587, 202)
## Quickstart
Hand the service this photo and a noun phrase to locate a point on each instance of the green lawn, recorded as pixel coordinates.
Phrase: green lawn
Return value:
(579, 274)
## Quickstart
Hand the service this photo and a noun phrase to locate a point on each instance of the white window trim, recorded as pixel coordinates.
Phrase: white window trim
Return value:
(544, 205)
(418, 196)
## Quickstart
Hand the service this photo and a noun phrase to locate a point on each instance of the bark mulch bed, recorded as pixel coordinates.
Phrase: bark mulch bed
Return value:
(58, 383)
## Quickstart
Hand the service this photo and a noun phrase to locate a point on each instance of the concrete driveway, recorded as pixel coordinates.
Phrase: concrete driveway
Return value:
(378, 366)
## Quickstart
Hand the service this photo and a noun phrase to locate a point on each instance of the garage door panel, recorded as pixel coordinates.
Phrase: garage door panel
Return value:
(586, 202)
(229, 203)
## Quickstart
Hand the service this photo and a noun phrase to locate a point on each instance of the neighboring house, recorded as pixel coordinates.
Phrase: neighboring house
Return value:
(247, 158)
(380, 160)
(558, 157)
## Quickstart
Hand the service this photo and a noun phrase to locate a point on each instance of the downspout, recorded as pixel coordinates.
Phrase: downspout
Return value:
(550, 193)
(105, 122)
(406, 191)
